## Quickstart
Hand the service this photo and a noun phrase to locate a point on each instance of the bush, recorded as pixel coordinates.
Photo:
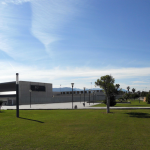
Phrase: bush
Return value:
(121, 99)
(1, 102)
(148, 98)
(112, 101)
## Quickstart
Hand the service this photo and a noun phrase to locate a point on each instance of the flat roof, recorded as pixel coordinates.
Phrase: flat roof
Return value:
(10, 95)
(8, 86)
(11, 86)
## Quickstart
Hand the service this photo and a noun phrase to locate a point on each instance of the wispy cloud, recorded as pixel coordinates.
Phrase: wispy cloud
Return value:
(136, 82)
(49, 17)
(15, 37)
(14, 1)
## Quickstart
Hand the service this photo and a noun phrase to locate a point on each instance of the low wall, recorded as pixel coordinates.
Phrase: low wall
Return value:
(64, 98)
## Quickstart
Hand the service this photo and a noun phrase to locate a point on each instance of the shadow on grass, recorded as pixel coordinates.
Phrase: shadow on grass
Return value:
(138, 115)
(31, 120)
(2, 111)
(133, 106)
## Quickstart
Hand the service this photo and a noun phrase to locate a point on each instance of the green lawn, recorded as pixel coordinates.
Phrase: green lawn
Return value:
(134, 103)
(75, 129)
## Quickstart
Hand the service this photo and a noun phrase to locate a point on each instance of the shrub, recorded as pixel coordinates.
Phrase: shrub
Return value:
(121, 99)
(148, 98)
(112, 101)
(1, 102)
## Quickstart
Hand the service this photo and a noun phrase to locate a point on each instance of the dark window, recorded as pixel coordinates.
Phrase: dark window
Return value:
(37, 88)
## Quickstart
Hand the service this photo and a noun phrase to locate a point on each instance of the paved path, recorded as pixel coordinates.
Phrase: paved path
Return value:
(66, 106)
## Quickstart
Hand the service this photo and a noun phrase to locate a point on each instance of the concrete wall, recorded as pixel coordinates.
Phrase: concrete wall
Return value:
(60, 98)
(37, 97)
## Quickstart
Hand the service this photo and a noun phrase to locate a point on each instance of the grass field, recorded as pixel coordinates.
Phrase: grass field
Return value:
(134, 103)
(75, 129)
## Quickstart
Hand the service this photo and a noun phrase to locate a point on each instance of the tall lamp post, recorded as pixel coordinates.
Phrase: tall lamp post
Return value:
(17, 95)
(89, 96)
(72, 94)
(30, 97)
(84, 96)
(60, 88)
(93, 96)
(80, 97)
(140, 96)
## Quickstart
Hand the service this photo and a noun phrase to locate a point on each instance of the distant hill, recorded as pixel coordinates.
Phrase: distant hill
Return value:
(64, 89)
(70, 89)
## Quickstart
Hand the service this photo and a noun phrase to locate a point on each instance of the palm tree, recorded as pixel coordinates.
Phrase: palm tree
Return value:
(133, 90)
(117, 86)
(128, 88)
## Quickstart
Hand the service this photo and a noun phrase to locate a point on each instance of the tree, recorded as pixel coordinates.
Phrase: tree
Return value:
(135, 95)
(148, 98)
(143, 94)
(133, 90)
(107, 84)
(126, 96)
(117, 86)
(139, 94)
(128, 88)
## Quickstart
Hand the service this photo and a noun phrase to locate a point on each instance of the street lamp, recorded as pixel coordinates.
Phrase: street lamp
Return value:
(72, 94)
(80, 97)
(84, 96)
(89, 96)
(93, 96)
(60, 88)
(30, 97)
(17, 94)
(140, 96)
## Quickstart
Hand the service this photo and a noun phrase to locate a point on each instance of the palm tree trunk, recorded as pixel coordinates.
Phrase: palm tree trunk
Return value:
(108, 104)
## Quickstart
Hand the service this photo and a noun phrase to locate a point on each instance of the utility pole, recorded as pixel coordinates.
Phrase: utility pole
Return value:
(17, 95)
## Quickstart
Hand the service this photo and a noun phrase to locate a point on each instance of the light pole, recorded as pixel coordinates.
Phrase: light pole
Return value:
(84, 96)
(140, 96)
(72, 94)
(93, 97)
(89, 96)
(17, 94)
(30, 97)
(80, 97)
(60, 88)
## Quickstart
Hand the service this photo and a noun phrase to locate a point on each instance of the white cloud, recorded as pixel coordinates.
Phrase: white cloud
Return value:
(139, 82)
(17, 2)
(67, 75)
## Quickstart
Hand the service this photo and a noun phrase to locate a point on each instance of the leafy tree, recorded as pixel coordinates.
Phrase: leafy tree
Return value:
(112, 101)
(126, 96)
(107, 84)
(148, 98)
(139, 94)
(128, 88)
(143, 94)
(135, 95)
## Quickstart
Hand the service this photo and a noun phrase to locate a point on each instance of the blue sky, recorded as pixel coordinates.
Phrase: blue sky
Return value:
(65, 41)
